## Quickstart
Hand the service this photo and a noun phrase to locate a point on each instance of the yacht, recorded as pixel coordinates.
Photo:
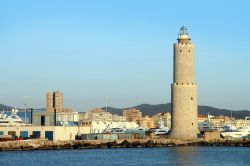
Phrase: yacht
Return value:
(162, 130)
(229, 127)
(243, 132)
(12, 120)
(206, 126)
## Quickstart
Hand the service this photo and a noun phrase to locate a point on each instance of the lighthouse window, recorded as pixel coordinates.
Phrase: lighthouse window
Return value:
(180, 50)
(192, 98)
(192, 123)
(188, 50)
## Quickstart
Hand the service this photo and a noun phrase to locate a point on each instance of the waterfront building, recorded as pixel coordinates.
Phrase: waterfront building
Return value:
(240, 123)
(46, 118)
(184, 95)
(67, 110)
(54, 101)
(162, 117)
(118, 118)
(147, 122)
(101, 116)
(69, 116)
(219, 121)
(43, 118)
(132, 115)
(96, 110)
(55, 133)
(83, 116)
(201, 118)
(98, 114)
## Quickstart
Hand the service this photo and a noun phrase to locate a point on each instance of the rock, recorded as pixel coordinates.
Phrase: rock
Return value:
(83, 144)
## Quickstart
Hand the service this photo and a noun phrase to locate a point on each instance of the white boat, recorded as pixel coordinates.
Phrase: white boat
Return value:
(229, 127)
(243, 132)
(206, 126)
(117, 130)
(105, 126)
(12, 120)
(162, 130)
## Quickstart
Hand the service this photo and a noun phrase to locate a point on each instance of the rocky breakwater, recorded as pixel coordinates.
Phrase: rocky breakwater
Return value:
(235, 143)
(129, 143)
(90, 144)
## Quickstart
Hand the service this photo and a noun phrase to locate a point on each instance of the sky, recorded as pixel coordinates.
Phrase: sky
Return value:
(122, 51)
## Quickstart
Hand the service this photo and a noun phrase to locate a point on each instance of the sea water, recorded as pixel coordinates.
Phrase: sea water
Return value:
(186, 155)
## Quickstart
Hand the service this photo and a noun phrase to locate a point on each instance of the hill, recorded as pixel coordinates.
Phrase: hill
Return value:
(150, 110)
(5, 107)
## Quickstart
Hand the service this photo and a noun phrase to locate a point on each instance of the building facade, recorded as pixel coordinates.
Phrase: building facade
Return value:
(54, 101)
(132, 115)
(147, 122)
(68, 116)
(43, 118)
(98, 114)
(184, 95)
(55, 133)
(162, 117)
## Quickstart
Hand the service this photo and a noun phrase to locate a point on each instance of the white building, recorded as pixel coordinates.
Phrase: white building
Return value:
(55, 133)
(67, 116)
(101, 126)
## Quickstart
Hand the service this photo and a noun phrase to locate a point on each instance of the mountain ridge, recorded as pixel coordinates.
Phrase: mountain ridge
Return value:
(152, 109)
(149, 109)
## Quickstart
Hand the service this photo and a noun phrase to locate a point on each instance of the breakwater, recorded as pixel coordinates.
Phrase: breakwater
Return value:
(130, 143)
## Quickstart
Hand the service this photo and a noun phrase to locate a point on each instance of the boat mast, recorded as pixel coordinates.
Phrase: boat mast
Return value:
(25, 107)
(106, 104)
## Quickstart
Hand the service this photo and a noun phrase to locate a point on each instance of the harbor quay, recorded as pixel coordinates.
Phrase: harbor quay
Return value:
(43, 144)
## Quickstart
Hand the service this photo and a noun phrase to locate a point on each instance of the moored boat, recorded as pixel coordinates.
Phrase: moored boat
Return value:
(11, 120)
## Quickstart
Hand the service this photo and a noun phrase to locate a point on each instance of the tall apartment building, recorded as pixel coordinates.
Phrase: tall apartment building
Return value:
(54, 101)
(132, 115)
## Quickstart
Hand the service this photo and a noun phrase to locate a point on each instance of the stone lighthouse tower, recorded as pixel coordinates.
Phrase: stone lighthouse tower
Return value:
(184, 95)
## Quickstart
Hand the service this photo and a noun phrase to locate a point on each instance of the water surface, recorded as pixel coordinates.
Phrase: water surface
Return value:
(187, 155)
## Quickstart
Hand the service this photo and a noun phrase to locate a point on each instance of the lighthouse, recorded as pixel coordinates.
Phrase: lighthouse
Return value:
(184, 89)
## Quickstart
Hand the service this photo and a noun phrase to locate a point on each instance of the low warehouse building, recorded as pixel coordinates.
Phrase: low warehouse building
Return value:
(54, 133)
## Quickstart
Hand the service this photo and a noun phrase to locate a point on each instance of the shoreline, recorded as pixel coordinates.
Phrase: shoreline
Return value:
(103, 144)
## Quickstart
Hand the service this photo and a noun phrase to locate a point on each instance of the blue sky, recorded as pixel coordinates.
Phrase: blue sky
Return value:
(122, 50)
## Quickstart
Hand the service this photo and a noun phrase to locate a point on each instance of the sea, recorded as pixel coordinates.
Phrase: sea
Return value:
(183, 156)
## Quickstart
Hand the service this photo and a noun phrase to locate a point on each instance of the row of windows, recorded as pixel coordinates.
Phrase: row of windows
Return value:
(188, 51)
(182, 43)
(185, 83)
